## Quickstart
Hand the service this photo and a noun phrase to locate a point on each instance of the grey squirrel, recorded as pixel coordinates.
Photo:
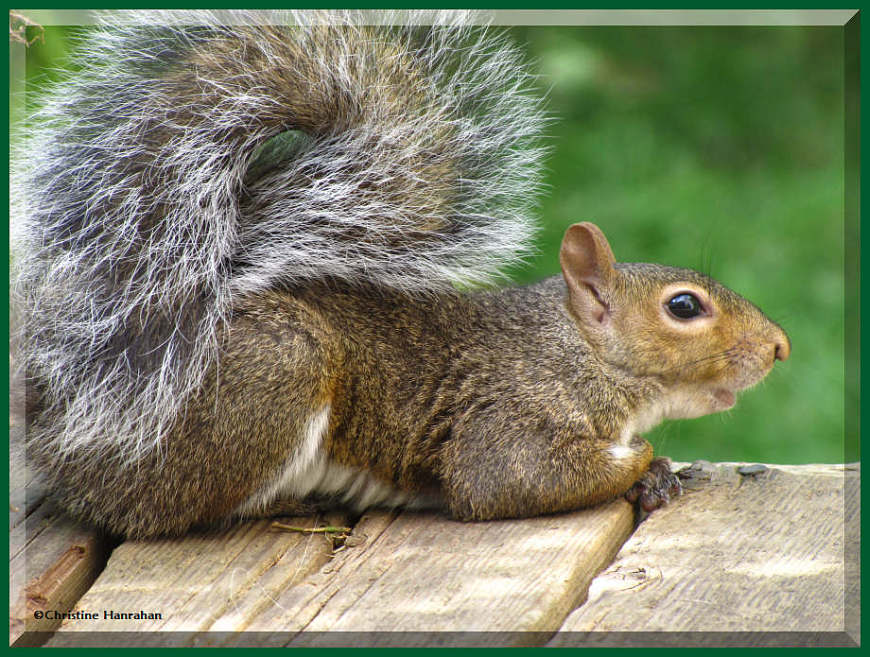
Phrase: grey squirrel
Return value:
(240, 271)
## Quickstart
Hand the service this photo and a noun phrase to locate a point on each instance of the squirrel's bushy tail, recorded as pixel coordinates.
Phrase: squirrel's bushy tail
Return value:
(196, 157)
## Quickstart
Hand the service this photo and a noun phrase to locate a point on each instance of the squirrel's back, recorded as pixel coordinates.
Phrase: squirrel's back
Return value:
(199, 157)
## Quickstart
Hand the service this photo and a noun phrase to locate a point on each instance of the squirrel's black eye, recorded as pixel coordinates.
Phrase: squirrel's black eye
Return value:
(685, 306)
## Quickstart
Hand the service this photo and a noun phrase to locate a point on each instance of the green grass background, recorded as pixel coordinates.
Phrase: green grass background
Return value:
(715, 148)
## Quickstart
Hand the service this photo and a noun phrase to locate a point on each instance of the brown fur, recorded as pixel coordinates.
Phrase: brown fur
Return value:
(505, 403)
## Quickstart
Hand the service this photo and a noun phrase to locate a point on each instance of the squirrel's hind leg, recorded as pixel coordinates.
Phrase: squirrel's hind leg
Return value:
(262, 408)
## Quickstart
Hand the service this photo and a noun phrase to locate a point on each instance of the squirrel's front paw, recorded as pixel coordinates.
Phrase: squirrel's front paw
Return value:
(655, 487)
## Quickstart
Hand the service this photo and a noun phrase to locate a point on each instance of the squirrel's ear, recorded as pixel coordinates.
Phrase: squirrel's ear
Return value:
(587, 265)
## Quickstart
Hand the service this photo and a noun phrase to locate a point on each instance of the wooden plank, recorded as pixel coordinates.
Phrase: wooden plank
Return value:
(26, 491)
(52, 560)
(759, 548)
(58, 563)
(423, 575)
(764, 553)
(17, 513)
(414, 572)
(183, 585)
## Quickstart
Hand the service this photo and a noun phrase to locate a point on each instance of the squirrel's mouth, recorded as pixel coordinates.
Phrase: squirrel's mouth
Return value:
(725, 399)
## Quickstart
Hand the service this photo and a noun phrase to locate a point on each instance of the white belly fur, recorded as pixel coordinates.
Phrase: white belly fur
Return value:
(309, 471)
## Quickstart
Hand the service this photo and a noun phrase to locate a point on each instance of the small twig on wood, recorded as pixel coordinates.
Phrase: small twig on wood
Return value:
(311, 530)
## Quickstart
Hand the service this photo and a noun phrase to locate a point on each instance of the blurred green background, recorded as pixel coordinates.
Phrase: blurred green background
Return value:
(714, 148)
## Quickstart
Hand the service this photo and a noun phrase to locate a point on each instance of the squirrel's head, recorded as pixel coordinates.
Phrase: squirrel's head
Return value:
(700, 340)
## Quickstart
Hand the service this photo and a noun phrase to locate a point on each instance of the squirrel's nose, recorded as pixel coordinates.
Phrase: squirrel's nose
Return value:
(782, 348)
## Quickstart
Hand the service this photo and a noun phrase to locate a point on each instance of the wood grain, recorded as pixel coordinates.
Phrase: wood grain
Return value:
(739, 559)
(762, 553)
(420, 574)
(191, 582)
(425, 575)
(53, 562)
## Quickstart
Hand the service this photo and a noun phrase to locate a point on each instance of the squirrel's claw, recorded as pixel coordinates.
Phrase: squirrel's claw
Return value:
(655, 487)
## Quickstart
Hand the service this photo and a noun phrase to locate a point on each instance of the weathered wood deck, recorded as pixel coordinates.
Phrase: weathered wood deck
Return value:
(769, 558)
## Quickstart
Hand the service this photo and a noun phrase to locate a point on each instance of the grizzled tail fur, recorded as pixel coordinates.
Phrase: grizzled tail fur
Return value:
(195, 159)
